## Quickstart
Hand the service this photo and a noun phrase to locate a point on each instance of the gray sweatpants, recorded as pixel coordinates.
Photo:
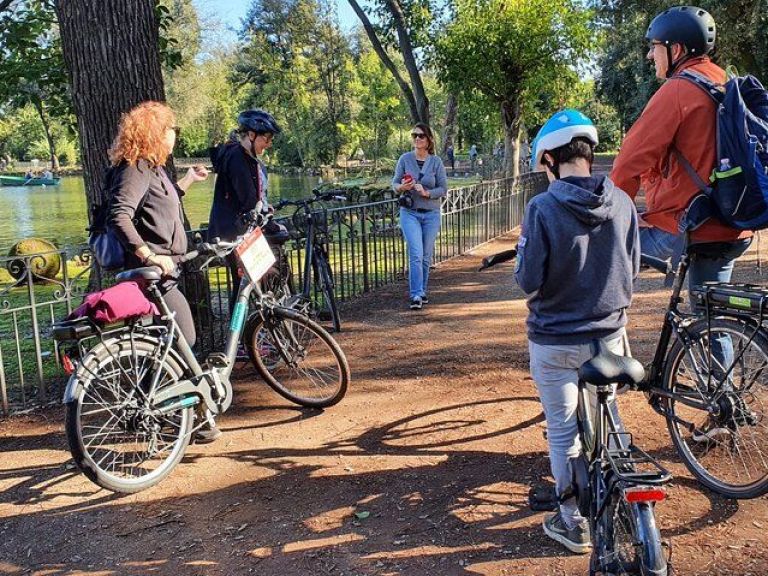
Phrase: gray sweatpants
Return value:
(554, 370)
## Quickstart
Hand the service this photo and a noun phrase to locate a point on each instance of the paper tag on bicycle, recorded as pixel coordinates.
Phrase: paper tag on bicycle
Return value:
(255, 255)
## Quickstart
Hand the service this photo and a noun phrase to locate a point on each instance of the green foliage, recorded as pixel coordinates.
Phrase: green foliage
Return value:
(22, 136)
(627, 79)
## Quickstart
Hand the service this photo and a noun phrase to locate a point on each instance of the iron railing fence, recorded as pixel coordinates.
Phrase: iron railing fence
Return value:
(365, 250)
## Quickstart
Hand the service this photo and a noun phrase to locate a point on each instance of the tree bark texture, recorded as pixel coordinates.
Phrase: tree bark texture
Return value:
(111, 50)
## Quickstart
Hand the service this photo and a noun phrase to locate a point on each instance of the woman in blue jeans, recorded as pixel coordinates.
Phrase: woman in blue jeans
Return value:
(421, 181)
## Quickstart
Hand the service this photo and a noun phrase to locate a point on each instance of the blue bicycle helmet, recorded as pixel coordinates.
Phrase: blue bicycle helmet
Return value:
(259, 121)
(558, 131)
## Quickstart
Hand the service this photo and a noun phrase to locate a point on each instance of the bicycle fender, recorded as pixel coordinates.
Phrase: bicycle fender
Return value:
(73, 389)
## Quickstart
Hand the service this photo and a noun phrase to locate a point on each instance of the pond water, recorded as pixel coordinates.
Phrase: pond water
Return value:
(59, 213)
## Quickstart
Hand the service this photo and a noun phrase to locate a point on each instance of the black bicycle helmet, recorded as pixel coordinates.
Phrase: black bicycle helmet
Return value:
(690, 26)
(259, 121)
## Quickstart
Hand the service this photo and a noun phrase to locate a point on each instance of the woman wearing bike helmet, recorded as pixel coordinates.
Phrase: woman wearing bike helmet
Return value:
(578, 255)
(241, 180)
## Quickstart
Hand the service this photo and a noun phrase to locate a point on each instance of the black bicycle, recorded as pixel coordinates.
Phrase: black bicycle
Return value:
(709, 378)
(137, 393)
(616, 484)
(311, 226)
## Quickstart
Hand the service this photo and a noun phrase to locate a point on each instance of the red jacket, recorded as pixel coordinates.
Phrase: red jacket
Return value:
(680, 115)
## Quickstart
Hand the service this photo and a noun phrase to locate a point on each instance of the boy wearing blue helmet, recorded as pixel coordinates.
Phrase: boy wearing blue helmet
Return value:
(578, 255)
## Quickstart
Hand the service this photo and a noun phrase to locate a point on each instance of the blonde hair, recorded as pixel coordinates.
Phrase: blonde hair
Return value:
(142, 134)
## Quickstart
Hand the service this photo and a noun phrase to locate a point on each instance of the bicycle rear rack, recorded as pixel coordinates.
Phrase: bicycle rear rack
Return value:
(632, 465)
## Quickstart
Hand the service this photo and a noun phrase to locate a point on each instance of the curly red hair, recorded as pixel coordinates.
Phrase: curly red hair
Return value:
(142, 134)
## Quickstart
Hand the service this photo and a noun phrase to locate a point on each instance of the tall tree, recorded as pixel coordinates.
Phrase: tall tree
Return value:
(32, 68)
(112, 54)
(510, 52)
(405, 32)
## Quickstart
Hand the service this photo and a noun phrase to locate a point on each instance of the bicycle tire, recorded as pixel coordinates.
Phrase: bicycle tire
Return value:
(134, 357)
(627, 540)
(291, 335)
(723, 447)
(326, 286)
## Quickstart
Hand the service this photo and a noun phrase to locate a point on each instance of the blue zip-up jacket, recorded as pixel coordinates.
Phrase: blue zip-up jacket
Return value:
(432, 176)
(578, 256)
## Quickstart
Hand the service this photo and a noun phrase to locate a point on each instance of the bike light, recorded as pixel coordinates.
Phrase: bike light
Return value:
(644, 494)
(67, 364)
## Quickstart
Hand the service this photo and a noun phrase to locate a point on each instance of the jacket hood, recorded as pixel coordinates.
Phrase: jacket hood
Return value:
(219, 153)
(590, 199)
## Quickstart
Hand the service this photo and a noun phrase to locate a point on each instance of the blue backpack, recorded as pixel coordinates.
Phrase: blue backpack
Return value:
(738, 190)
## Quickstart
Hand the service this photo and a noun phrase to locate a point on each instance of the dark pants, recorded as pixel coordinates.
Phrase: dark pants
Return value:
(178, 304)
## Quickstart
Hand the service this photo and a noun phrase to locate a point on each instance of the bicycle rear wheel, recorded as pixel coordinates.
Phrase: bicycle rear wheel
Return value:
(727, 450)
(114, 438)
(298, 359)
(627, 540)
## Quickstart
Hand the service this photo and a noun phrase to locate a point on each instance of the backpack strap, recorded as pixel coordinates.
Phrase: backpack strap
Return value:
(712, 89)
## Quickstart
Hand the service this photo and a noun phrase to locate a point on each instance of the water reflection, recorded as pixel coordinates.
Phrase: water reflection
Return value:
(59, 213)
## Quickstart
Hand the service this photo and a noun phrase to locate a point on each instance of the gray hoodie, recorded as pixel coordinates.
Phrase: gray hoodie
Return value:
(578, 255)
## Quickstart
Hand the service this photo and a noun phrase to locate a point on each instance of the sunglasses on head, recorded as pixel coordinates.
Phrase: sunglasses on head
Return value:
(418, 135)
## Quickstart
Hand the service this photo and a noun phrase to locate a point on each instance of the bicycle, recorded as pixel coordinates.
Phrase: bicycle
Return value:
(616, 485)
(313, 225)
(137, 394)
(709, 379)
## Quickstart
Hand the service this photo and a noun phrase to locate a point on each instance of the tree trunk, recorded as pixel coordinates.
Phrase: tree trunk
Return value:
(406, 48)
(449, 128)
(48, 136)
(512, 119)
(113, 61)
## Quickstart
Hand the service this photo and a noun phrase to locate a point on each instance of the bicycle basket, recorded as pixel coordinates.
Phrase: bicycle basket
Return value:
(743, 298)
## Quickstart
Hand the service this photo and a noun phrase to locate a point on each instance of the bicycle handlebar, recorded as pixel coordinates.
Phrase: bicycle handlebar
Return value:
(494, 259)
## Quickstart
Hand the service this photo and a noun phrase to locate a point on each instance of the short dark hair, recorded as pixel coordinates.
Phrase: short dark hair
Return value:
(579, 147)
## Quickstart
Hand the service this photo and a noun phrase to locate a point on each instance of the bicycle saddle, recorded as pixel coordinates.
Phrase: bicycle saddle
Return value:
(275, 233)
(605, 368)
(146, 274)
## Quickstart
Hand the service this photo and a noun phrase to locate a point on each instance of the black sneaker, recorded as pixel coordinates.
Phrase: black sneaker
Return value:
(424, 300)
(576, 539)
(416, 303)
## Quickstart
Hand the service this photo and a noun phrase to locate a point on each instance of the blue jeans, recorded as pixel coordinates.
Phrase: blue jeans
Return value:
(420, 230)
(661, 244)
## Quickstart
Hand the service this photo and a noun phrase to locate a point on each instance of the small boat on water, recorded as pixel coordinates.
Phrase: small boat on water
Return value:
(22, 181)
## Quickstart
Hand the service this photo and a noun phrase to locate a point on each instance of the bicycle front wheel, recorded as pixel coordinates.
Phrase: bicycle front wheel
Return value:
(725, 366)
(114, 437)
(627, 540)
(299, 359)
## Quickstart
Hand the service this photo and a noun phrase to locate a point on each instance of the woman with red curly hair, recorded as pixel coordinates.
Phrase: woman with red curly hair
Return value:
(145, 208)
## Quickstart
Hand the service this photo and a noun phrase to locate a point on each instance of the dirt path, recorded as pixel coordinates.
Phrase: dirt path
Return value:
(423, 469)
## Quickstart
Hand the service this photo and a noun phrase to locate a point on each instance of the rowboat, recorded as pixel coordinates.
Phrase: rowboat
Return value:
(21, 181)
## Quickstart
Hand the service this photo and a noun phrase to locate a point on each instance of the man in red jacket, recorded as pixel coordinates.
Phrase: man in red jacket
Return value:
(679, 118)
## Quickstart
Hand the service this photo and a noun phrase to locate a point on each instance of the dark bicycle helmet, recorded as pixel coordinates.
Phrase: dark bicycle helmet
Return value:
(259, 121)
(690, 26)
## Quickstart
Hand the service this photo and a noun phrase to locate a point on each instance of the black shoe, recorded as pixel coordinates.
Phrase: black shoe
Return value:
(424, 300)
(416, 303)
(207, 434)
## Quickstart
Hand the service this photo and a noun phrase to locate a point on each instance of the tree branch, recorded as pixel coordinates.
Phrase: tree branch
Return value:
(5, 5)
(404, 40)
(386, 60)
